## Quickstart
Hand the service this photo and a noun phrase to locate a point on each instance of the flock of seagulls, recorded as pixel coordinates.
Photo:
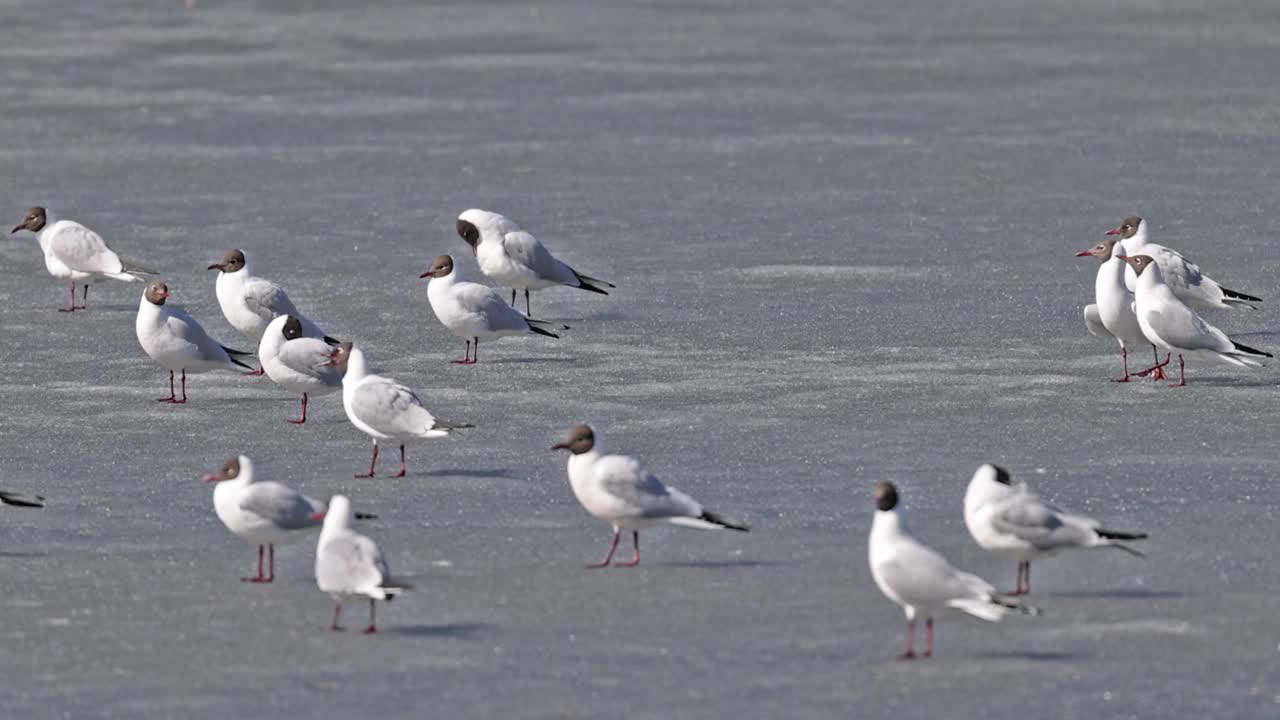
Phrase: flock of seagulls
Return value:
(1147, 294)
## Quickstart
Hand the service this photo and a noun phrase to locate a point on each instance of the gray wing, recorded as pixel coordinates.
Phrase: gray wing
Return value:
(483, 300)
(185, 327)
(530, 252)
(643, 493)
(267, 300)
(1042, 525)
(391, 408)
(309, 356)
(1179, 326)
(350, 561)
(921, 576)
(80, 248)
(281, 505)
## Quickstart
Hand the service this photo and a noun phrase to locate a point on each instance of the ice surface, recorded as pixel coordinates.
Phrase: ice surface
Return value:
(843, 241)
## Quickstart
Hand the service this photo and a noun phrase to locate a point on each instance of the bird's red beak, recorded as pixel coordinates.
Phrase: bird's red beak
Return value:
(216, 266)
(559, 446)
(1112, 231)
(212, 478)
(1122, 257)
(317, 516)
(425, 275)
(1083, 253)
(16, 228)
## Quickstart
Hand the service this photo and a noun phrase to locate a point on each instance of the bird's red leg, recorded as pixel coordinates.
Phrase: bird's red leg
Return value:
(466, 355)
(1124, 358)
(302, 418)
(184, 388)
(612, 546)
(401, 473)
(172, 397)
(72, 307)
(371, 628)
(911, 641)
(635, 556)
(258, 577)
(1182, 373)
(337, 608)
(372, 462)
(928, 637)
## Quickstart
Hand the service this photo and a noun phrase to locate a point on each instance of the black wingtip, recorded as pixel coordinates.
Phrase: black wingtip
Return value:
(17, 500)
(591, 284)
(1249, 350)
(331, 342)
(232, 354)
(535, 329)
(716, 519)
(1239, 296)
(1118, 535)
(366, 516)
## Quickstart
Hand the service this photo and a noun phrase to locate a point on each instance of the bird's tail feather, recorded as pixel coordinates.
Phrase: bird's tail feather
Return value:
(541, 327)
(21, 500)
(586, 282)
(449, 425)
(1250, 351)
(1232, 297)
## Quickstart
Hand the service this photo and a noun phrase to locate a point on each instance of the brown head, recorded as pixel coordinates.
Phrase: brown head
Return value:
(579, 440)
(441, 266)
(339, 355)
(1139, 262)
(469, 233)
(292, 328)
(230, 471)
(886, 496)
(231, 262)
(1128, 228)
(1101, 250)
(156, 292)
(33, 219)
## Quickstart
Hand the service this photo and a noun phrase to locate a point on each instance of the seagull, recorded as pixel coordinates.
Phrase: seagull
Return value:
(298, 362)
(76, 253)
(620, 491)
(263, 512)
(922, 581)
(1114, 308)
(1173, 326)
(512, 257)
(382, 408)
(349, 564)
(1013, 523)
(174, 339)
(17, 499)
(472, 310)
(249, 302)
(1183, 276)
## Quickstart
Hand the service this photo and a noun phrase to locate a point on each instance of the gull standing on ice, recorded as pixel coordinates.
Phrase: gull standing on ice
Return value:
(263, 512)
(382, 408)
(349, 564)
(1011, 522)
(1114, 306)
(472, 310)
(920, 580)
(174, 339)
(513, 258)
(76, 253)
(620, 491)
(298, 362)
(1183, 276)
(1174, 327)
(248, 302)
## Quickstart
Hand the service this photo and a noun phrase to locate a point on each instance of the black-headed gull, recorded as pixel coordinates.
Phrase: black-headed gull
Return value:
(620, 491)
(1174, 327)
(920, 580)
(1114, 305)
(473, 311)
(176, 341)
(263, 512)
(76, 253)
(382, 408)
(1011, 522)
(17, 499)
(1183, 276)
(349, 564)
(297, 362)
(249, 302)
(513, 258)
